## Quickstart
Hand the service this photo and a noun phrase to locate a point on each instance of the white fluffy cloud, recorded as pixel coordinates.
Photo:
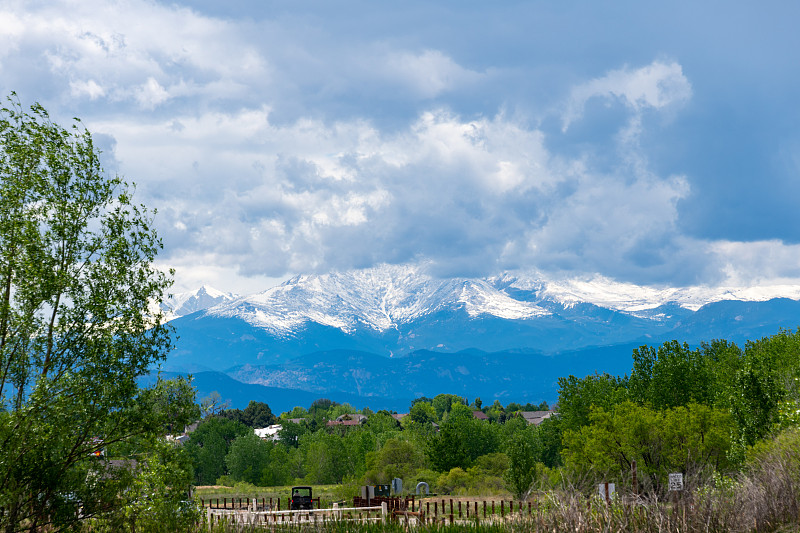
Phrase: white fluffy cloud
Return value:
(654, 86)
(429, 73)
(473, 196)
(274, 145)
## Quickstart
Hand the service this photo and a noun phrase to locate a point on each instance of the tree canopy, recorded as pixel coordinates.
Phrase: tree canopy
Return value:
(79, 323)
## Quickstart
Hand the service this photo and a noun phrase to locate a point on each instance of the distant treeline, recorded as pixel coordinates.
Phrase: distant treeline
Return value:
(681, 409)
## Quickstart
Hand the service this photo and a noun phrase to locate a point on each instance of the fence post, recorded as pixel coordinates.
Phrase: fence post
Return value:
(384, 511)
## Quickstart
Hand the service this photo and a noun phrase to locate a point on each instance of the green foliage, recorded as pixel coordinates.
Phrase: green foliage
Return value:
(462, 439)
(296, 412)
(397, 458)
(423, 413)
(247, 457)
(577, 397)
(256, 415)
(443, 403)
(157, 500)
(325, 457)
(290, 433)
(764, 384)
(524, 452)
(78, 324)
(692, 439)
(383, 425)
(550, 436)
(670, 376)
(485, 477)
(723, 360)
(209, 444)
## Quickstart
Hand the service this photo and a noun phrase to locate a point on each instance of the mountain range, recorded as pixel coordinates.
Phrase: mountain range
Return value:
(384, 335)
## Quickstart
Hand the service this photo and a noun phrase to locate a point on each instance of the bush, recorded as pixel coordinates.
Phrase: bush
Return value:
(225, 481)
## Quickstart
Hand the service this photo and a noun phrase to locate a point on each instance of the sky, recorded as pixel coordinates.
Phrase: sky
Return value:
(651, 143)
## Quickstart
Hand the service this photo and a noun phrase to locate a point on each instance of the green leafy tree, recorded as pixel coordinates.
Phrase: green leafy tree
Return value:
(397, 458)
(358, 443)
(693, 439)
(723, 360)
(382, 423)
(258, 415)
(157, 500)
(423, 413)
(764, 384)
(443, 403)
(296, 412)
(550, 435)
(497, 413)
(670, 376)
(577, 397)
(247, 458)
(524, 451)
(324, 457)
(279, 470)
(209, 444)
(290, 433)
(78, 318)
(462, 439)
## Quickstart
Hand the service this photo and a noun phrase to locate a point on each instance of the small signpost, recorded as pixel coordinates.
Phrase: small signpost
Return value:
(675, 486)
(606, 491)
(675, 482)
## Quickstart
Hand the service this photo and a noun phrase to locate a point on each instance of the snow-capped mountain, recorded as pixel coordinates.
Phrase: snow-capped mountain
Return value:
(631, 298)
(387, 297)
(399, 332)
(396, 310)
(185, 303)
(379, 298)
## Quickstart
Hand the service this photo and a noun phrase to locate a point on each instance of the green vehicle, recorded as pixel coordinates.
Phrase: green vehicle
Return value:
(301, 499)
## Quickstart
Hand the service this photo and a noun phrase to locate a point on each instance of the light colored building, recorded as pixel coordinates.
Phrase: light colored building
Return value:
(269, 432)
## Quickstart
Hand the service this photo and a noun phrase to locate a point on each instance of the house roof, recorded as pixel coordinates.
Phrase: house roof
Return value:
(344, 423)
(480, 415)
(269, 432)
(351, 416)
(536, 417)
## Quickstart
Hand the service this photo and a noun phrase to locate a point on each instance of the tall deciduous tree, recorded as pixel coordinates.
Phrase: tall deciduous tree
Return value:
(77, 321)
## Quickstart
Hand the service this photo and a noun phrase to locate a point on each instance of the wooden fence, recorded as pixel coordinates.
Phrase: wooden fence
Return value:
(252, 517)
(242, 503)
(434, 510)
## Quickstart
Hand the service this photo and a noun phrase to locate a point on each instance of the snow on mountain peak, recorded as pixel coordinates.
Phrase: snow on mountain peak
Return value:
(379, 298)
(188, 302)
(387, 296)
(632, 298)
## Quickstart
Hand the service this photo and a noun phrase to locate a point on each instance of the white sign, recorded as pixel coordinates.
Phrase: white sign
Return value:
(606, 490)
(676, 481)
